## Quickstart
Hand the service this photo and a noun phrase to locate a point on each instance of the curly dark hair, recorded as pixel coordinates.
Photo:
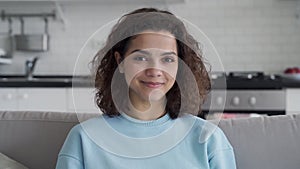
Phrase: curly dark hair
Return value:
(185, 97)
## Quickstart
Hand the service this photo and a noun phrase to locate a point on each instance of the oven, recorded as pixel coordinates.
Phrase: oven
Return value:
(245, 94)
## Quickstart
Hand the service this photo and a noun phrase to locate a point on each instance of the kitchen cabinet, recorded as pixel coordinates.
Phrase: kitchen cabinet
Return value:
(81, 100)
(42, 99)
(122, 2)
(292, 100)
(34, 99)
(8, 99)
(47, 99)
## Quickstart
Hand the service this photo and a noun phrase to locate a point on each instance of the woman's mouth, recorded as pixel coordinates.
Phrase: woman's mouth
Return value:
(152, 84)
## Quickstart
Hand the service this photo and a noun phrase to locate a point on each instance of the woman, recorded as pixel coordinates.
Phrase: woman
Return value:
(149, 77)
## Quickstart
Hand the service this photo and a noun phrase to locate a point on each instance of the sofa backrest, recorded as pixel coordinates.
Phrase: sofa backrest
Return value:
(35, 138)
(271, 142)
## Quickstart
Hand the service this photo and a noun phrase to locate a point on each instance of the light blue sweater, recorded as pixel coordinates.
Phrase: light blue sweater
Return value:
(122, 142)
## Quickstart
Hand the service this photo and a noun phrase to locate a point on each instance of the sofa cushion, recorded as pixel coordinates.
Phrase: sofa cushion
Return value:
(8, 163)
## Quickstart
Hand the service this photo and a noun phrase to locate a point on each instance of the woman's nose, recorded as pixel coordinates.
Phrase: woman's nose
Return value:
(152, 72)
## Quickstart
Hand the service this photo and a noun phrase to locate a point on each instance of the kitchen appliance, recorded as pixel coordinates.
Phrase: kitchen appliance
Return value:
(6, 45)
(246, 93)
(3, 57)
(32, 42)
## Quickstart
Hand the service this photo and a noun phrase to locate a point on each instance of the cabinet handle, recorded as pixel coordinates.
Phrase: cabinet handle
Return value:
(8, 96)
(23, 96)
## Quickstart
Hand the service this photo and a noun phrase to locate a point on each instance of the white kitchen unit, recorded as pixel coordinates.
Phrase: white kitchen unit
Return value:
(48, 99)
(36, 99)
(81, 100)
(8, 99)
(292, 100)
(42, 99)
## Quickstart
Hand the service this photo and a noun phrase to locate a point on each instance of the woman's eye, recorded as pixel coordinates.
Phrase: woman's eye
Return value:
(168, 59)
(140, 58)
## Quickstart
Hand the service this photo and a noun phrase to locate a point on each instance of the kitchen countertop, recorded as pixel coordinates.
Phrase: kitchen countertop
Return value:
(291, 83)
(86, 81)
(246, 84)
(265, 83)
(45, 81)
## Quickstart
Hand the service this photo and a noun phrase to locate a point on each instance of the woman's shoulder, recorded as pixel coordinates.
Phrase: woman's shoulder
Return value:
(79, 128)
(198, 122)
(99, 123)
(206, 131)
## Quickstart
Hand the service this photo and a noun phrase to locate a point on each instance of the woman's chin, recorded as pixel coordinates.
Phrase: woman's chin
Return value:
(156, 95)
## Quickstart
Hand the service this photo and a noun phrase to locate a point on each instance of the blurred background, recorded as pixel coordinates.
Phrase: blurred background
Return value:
(250, 35)
(258, 43)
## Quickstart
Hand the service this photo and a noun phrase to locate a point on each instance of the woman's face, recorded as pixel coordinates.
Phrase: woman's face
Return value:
(150, 65)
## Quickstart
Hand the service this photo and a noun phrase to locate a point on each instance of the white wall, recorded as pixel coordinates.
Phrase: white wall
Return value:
(248, 34)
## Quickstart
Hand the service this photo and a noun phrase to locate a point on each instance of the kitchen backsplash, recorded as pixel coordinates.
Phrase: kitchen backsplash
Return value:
(248, 34)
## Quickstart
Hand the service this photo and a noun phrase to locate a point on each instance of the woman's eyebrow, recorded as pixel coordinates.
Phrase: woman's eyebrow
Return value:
(169, 53)
(149, 53)
(141, 51)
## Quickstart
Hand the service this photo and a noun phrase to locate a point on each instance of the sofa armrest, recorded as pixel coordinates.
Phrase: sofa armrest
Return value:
(35, 138)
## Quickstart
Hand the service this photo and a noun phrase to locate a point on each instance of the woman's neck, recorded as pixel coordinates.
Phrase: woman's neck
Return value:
(145, 110)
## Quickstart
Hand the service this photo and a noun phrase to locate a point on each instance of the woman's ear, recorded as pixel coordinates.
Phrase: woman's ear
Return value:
(119, 61)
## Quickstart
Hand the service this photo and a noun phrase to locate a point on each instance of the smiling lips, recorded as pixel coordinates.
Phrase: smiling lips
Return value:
(152, 84)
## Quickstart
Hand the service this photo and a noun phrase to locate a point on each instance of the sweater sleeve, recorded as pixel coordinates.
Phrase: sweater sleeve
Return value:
(221, 154)
(70, 155)
(223, 159)
(68, 162)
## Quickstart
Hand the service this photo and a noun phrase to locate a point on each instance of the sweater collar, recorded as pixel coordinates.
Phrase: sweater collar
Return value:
(155, 122)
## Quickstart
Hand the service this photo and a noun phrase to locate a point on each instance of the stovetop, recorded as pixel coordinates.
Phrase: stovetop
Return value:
(246, 80)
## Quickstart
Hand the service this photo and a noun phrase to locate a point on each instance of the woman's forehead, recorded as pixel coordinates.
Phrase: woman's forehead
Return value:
(158, 33)
(153, 40)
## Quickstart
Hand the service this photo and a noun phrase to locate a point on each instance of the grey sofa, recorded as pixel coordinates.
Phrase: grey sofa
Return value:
(35, 138)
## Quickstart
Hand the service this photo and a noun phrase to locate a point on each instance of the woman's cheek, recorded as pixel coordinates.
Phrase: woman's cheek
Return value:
(171, 70)
(132, 71)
